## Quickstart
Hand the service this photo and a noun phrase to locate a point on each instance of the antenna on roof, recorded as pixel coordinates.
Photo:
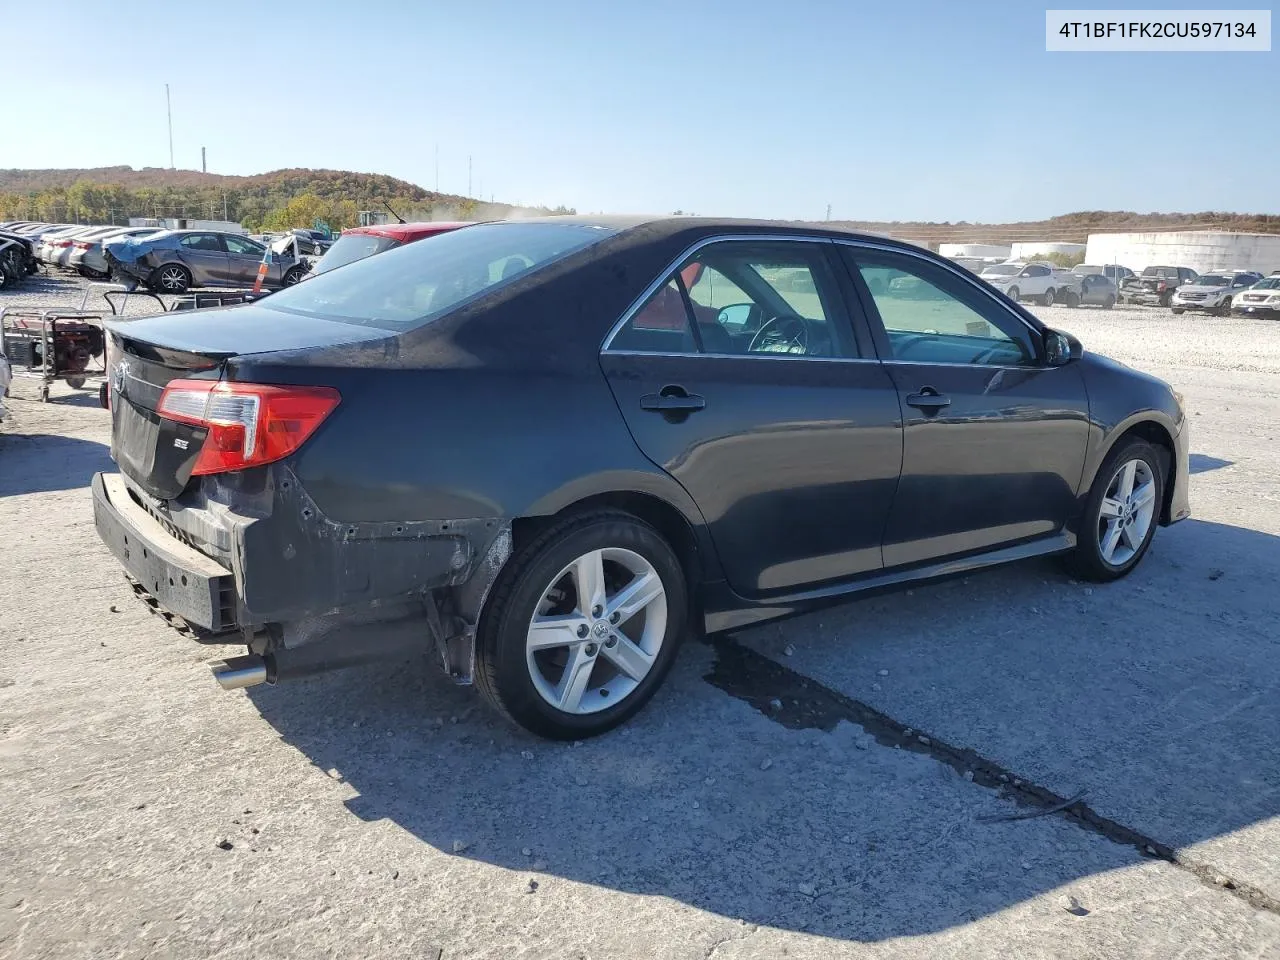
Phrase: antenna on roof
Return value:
(393, 213)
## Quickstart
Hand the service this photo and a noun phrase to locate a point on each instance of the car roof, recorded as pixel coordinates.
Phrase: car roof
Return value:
(407, 232)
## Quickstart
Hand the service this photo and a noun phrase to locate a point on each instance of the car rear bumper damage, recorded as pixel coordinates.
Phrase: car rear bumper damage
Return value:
(304, 593)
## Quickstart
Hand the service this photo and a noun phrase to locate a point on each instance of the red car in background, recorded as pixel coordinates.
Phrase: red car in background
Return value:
(356, 243)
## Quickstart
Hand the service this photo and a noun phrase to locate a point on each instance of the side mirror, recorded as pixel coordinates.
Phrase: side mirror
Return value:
(1061, 348)
(735, 315)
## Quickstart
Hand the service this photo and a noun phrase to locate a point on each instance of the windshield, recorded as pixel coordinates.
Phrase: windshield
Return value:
(351, 247)
(417, 282)
(1213, 280)
(1002, 270)
(1085, 269)
(1271, 283)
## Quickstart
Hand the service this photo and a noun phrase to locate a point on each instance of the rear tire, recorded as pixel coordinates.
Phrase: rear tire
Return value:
(1014, 293)
(1108, 303)
(1071, 299)
(171, 278)
(1046, 300)
(1224, 310)
(1121, 513)
(525, 672)
(294, 275)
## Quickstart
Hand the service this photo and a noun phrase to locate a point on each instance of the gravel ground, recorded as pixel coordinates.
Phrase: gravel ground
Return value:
(383, 812)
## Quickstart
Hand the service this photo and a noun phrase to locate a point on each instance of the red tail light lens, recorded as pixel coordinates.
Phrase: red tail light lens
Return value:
(250, 424)
(81, 246)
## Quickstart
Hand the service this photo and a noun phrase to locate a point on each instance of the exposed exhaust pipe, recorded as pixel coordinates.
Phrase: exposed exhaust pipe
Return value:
(237, 672)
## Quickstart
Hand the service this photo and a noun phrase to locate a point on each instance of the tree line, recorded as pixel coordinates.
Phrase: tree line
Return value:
(277, 201)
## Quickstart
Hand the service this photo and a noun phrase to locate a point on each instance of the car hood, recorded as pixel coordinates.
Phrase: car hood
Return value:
(240, 330)
(1201, 288)
(996, 277)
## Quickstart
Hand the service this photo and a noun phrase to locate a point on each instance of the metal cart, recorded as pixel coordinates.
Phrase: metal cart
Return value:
(42, 341)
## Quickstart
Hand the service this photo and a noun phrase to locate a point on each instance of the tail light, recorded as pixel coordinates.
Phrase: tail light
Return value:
(62, 243)
(80, 245)
(1160, 286)
(249, 424)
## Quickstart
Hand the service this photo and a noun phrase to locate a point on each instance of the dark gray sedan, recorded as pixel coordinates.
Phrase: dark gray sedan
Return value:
(174, 261)
(545, 450)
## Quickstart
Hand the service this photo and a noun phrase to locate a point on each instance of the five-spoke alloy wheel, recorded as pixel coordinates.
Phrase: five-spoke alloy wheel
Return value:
(582, 625)
(1122, 512)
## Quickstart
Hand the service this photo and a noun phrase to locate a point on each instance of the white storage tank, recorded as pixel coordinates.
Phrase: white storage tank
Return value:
(1204, 251)
(976, 251)
(1030, 250)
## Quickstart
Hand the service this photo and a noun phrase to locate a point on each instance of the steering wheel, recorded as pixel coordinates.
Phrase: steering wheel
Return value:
(787, 331)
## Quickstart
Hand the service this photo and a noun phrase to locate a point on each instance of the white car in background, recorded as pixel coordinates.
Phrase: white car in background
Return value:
(1034, 280)
(1213, 292)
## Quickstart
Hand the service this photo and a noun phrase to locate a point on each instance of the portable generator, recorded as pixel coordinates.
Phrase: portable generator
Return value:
(53, 345)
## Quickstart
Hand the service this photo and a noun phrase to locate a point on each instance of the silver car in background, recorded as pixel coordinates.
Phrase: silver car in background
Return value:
(174, 261)
(87, 256)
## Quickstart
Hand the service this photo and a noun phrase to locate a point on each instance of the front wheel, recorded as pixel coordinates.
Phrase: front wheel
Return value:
(1225, 309)
(1177, 310)
(1071, 299)
(1121, 512)
(294, 275)
(582, 626)
(1014, 293)
(1047, 299)
(1108, 303)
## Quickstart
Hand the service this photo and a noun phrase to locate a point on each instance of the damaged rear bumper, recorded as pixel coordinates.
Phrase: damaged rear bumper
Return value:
(302, 591)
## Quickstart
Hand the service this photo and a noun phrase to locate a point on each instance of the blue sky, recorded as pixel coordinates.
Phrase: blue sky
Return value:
(905, 110)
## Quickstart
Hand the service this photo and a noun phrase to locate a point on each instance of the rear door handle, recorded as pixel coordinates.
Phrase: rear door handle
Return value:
(928, 400)
(672, 398)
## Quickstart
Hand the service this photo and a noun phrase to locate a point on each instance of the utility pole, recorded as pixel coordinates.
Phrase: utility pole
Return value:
(168, 107)
(437, 168)
(468, 175)
(224, 205)
(828, 211)
(204, 166)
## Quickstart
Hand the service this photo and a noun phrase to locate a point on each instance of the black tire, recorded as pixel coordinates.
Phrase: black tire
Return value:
(1047, 298)
(502, 670)
(171, 278)
(1108, 303)
(75, 383)
(1014, 292)
(1177, 310)
(1071, 299)
(294, 275)
(1224, 309)
(1086, 561)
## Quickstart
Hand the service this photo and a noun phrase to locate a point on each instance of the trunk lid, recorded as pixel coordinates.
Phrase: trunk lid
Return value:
(146, 353)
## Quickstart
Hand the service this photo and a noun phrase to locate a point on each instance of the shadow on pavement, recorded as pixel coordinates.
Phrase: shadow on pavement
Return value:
(1151, 694)
(37, 463)
(1202, 463)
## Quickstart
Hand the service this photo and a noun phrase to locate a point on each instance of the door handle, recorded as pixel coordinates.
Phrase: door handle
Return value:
(928, 399)
(672, 399)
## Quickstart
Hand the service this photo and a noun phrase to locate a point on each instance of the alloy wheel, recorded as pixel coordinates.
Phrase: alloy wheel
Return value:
(173, 279)
(597, 631)
(1126, 513)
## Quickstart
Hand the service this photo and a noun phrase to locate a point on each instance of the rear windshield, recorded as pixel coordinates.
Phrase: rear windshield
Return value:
(351, 247)
(417, 282)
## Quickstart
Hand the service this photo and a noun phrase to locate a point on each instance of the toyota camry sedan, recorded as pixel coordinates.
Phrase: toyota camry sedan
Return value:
(544, 452)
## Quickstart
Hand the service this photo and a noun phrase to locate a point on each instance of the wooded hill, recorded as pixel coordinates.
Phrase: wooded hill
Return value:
(296, 197)
(276, 200)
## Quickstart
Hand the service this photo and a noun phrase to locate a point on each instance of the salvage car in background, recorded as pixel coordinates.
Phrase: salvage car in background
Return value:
(389, 457)
(1212, 292)
(87, 256)
(1260, 300)
(1154, 287)
(174, 261)
(1096, 289)
(356, 243)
